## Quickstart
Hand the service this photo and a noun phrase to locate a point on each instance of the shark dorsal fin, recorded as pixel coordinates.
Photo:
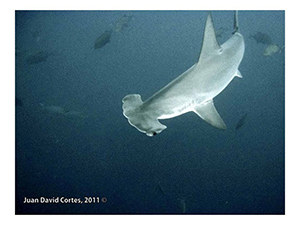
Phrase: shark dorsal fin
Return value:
(210, 44)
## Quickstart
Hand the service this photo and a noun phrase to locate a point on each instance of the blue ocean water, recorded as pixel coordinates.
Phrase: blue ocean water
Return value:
(72, 140)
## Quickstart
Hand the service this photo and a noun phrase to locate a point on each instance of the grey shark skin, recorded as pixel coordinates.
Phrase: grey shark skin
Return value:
(193, 90)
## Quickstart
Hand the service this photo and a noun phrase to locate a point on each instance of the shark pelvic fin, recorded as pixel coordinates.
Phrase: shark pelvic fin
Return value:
(208, 113)
(238, 74)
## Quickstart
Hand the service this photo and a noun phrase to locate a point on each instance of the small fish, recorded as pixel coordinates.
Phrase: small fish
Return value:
(103, 39)
(38, 57)
(75, 114)
(241, 122)
(122, 23)
(262, 38)
(54, 109)
(272, 49)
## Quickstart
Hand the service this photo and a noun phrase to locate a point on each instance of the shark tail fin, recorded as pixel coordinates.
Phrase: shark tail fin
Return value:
(139, 119)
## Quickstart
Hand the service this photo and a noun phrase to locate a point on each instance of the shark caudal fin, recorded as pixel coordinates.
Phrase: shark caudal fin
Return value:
(139, 119)
(236, 22)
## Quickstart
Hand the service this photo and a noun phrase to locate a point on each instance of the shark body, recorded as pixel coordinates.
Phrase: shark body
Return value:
(193, 90)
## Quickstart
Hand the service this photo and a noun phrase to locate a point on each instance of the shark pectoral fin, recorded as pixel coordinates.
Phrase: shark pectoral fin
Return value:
(208, 112)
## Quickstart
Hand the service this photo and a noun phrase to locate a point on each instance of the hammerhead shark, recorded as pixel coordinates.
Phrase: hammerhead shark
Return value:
(195, 89)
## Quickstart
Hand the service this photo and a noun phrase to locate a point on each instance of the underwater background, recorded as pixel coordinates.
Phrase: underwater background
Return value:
(74, 67)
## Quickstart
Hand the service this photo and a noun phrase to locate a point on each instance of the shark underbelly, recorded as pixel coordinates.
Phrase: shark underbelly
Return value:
(186, 92)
